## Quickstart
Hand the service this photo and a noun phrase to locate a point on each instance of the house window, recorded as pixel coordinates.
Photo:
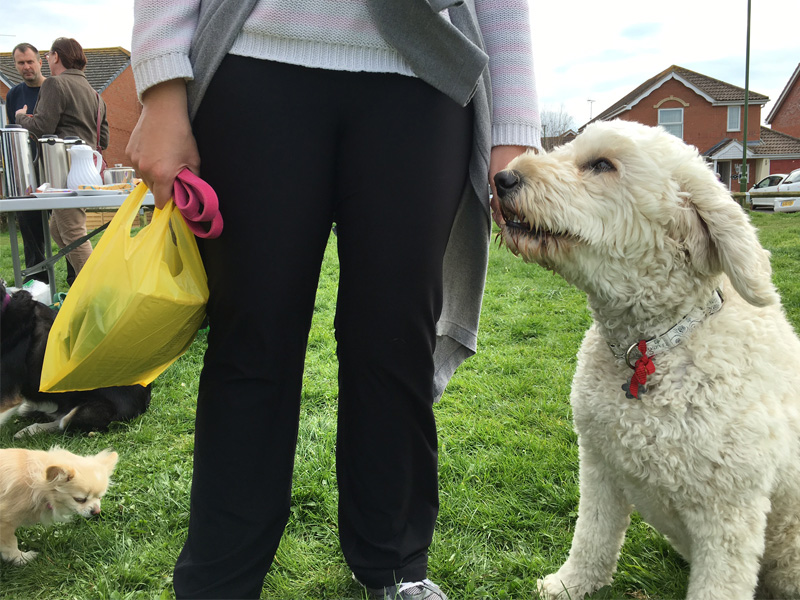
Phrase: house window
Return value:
(671, 119)
(734, 118)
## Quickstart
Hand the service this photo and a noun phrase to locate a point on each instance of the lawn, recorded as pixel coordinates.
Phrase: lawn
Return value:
(508, 463)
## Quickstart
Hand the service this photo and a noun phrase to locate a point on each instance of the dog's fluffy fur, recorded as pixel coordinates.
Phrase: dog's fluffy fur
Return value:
(710, 454)
(47, 487)
(24, 327)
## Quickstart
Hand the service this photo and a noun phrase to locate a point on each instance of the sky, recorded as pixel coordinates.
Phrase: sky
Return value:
(602, 51)
(583, 50)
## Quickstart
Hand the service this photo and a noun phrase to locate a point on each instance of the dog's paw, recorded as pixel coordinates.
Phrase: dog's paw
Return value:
(35, 429)
(20, 558)
(26, 557)
(553, 587)
(550, 588)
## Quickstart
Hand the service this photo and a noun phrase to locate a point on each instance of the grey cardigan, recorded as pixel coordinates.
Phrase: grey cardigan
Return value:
(451, 58)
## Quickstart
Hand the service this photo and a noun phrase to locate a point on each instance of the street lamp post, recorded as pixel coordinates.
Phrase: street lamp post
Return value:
(745, 175)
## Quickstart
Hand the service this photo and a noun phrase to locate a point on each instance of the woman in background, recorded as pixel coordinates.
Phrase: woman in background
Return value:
(375, 115)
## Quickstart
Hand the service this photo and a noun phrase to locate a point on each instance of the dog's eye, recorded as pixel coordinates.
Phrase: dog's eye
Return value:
(80, 500)
(602, 165)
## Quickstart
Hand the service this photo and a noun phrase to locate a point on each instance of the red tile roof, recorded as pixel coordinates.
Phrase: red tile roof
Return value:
(776, 143)
(771, 144)
(716, 90)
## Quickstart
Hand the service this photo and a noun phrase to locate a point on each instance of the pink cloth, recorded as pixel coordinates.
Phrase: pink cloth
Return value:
(198, 204)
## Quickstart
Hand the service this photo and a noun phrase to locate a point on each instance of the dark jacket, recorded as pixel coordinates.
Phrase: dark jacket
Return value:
(67, 106)
(18, 96)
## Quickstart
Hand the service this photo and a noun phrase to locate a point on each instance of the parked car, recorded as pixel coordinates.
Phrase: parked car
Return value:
(790, 184)
(787, 204)
(770, 183)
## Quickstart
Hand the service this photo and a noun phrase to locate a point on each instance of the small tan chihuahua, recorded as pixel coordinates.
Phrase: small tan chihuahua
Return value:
(47, 487)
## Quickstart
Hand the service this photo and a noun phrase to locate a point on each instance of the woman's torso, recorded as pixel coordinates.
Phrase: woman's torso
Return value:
(77, 102)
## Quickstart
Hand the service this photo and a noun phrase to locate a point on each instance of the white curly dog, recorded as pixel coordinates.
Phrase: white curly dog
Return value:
(701, 434)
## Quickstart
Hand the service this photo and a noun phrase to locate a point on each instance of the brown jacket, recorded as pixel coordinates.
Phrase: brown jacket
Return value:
(67, 106)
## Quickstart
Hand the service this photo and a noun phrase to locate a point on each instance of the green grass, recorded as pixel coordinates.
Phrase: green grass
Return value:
(508, 463)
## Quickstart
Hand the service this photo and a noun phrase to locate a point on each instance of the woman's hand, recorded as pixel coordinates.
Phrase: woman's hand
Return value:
(21, 111)
(498, 160)
(162, 143)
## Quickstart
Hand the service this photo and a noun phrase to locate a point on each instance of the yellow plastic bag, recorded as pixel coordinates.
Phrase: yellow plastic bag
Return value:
(134, 308)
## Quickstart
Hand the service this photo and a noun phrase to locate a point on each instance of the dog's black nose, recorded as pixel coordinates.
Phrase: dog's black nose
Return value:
(505, 181)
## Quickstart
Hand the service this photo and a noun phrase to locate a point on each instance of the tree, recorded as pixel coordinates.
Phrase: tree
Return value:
(557, 128)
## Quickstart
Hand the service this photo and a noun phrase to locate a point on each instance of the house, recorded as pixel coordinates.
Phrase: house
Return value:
(550, 142)
(109, 72)
(774, 152)
(785, 115)
(709, 114)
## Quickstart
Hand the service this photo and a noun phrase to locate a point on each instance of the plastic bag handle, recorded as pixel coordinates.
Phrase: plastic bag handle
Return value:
(127, 211)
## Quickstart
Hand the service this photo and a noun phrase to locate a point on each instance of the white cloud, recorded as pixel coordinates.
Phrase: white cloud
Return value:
(582, 52)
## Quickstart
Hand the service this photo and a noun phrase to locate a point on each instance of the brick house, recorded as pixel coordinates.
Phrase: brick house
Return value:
(108, 70)
(550, 142)
(785, 115)
(709, 114)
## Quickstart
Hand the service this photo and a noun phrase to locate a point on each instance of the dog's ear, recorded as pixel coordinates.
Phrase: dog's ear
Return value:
(719, 237)
(108, 458)
(57, 474)
(691, 232)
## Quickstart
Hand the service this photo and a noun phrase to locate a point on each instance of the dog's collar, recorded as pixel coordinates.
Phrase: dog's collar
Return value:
(6, 300)
(674, 335)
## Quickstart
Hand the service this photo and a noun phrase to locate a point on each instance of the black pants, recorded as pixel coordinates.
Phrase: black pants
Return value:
(30, 226)
(290, 150)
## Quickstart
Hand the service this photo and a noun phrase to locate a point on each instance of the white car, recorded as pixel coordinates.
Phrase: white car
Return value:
(787, 204)
(790, 184)
(770, 183)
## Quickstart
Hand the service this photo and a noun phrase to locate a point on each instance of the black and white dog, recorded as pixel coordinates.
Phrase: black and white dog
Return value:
(24, 327)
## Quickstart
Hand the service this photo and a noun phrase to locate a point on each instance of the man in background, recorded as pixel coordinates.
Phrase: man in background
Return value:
(29, 66)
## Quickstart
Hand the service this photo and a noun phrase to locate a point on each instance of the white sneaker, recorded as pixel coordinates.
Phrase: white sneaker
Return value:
(413, 590)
